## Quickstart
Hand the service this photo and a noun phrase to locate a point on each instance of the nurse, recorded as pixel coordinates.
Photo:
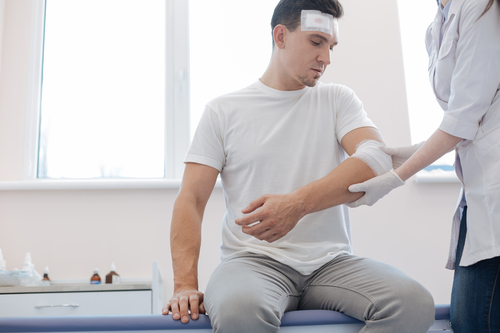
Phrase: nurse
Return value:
(463, 44)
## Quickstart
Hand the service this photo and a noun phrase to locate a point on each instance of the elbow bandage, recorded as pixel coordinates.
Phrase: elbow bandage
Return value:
(369, 152)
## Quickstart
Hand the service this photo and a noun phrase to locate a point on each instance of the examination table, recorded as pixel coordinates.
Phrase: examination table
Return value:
(314, 321)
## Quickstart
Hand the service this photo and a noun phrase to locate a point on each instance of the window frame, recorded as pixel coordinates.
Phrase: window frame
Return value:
(435, 173)
(177, 99)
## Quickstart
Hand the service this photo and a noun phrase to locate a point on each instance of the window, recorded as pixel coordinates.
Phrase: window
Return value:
(425, 113)
(124, 86)
(102, 100)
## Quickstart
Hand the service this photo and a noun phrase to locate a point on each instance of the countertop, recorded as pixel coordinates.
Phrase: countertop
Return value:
(77, 287)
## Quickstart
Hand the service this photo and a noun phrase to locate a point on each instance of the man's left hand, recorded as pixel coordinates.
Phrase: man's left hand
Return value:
(272, 216)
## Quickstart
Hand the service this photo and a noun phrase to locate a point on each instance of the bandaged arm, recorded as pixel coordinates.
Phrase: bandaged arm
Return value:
(279, 213)
(332, 190)
(369, 152)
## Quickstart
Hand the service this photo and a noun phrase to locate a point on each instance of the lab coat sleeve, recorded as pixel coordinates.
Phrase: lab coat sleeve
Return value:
(476, 76)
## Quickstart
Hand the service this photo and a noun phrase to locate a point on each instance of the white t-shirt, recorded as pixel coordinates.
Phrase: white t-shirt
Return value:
(267, 141)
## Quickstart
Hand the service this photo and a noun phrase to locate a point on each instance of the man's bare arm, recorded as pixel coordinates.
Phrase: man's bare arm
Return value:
(278, 214)
(185, 240)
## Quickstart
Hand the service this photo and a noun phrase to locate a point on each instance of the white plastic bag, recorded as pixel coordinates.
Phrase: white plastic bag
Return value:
(28, 277)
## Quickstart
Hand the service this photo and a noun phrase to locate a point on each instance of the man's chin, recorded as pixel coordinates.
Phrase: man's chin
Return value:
(311, 83)
(308, 81)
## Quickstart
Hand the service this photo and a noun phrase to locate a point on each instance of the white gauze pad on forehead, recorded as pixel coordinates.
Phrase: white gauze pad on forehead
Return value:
(314, 20)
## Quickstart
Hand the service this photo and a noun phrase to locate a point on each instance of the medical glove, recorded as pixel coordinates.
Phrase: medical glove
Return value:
(401, 154)
(375, 188)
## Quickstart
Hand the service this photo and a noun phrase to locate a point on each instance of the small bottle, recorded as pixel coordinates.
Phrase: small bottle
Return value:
(95, 279)
(27, 262)
(112, 276)
(46, 279)
(3, 264)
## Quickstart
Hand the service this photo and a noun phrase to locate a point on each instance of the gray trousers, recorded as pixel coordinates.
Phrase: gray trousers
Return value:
(250, 293)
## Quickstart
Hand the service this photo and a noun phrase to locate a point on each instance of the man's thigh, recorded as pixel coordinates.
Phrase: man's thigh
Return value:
(251, 284)
(365, 289)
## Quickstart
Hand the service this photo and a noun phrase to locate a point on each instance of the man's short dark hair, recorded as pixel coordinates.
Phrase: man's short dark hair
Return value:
(288, 12)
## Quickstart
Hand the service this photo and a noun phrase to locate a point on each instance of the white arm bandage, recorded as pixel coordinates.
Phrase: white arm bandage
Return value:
(369, 152)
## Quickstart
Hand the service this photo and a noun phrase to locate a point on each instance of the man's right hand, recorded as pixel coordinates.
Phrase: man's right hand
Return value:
(183, 301)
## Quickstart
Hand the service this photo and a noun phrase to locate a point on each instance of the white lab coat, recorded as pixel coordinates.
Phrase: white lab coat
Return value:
(465, 76)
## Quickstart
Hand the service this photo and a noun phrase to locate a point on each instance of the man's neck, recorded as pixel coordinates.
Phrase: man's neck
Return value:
(276, 78)
(444, 2)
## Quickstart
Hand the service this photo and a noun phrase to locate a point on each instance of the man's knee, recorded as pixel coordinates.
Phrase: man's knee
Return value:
(426, 308)
(241, 312)
(415, 306)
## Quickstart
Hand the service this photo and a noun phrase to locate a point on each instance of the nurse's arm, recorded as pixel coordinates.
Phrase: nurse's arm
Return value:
(185, 240)
(279, 213)
(435, 147)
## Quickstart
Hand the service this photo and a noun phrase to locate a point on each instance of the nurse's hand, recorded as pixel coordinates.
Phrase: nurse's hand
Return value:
(401, 154)
(274, 216)
(375, 188)
(182, 302)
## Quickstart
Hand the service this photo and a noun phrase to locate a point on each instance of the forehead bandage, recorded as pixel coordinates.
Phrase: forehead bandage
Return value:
(369, 152)
(314, 20)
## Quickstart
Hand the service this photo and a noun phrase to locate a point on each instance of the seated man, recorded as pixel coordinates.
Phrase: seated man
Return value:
(286, 134)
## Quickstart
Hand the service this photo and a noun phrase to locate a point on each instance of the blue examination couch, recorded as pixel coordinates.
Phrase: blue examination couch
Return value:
(314, 321)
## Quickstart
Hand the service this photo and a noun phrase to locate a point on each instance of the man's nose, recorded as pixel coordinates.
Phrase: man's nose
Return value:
(325, 57)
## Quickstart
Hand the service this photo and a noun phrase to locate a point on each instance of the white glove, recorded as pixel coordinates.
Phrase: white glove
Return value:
(375, 188)
(401, 154)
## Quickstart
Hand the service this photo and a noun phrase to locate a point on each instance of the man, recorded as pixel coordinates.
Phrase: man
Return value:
(287, 134)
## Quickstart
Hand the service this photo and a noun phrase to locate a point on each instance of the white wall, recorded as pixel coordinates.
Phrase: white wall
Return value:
(2, 8)
(13, 87)
(72, 231)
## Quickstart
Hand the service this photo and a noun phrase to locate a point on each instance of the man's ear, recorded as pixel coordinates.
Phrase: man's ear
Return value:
(279, 34)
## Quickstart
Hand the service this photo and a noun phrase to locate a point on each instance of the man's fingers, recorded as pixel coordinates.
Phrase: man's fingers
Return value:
(270, 234)
(265, 231)
(165, 309)
(184, 307)
(254, 205)
(257, 229)
(249, 219)
(253, 230)
(182, 303)
(174, 306)
(194, 303)
(202, 308)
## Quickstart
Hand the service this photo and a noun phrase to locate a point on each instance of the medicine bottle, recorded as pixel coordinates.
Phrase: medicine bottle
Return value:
(112, 276)
(95, 279)
(46, 279)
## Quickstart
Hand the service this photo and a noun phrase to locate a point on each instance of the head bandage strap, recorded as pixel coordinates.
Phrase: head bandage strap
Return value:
(369, 152)
(314, 20)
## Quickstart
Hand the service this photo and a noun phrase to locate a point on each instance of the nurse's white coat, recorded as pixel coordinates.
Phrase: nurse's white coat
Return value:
(465, 76)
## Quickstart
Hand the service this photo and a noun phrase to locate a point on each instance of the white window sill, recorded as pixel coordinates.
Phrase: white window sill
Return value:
(93, 184)
(423, 177)
(436, 176)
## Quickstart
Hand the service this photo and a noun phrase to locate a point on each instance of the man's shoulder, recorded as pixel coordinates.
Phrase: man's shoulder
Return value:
(234, 96)
(337, 90)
